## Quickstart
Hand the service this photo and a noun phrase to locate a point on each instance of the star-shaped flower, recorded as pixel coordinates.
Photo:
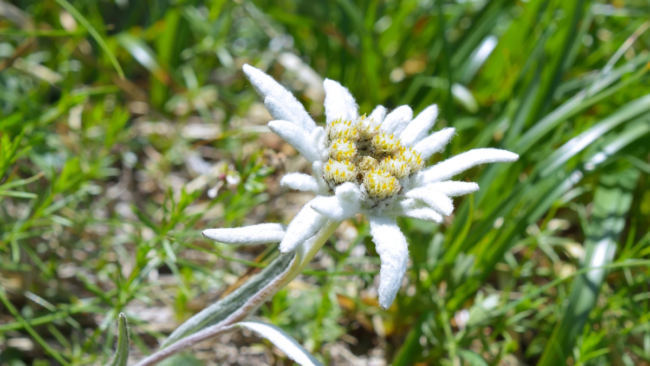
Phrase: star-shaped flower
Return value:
(372, 165)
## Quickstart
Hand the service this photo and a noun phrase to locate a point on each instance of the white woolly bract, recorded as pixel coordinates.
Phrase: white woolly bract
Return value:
(393, 251)
(437, 200)
(280, 111)
(317, 139)
(424, 213)
(317, 168)
(378, 114)
(342, 206)
(298, 138)
(459, 163)
(452, 188)
(300, 182)
(339, 103)
(266, 86)
(420, 126)
(333, 208)
(283, 341)
(247, 235)
(306, 223)
(435, 143)
(397, 120)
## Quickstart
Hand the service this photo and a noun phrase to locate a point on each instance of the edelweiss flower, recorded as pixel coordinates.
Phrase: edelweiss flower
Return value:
(372, 165)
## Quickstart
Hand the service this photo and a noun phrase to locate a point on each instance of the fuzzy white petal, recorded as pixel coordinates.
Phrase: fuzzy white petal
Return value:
(437, 200)
(281, 111)
(397, 120)
(348, 191)
(317, 168)
(247, 235)
(452, 188)
(435, 142)
(329, 207)
(283, 341)
(378, 114)
(305, 225)
(424, 213)
(459, 163)
(317, 139)
(341, 207)
(298, 138)
(420, 126)
(407, 204)
(300, 182)
(283, 102)
(417, 209)
(393, 251)
(339, 103)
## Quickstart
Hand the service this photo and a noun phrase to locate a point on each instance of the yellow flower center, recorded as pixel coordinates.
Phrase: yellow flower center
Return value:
(339, 171)
(395, 166)
(366, 163)
(359, 152)
(411, 157)
(340, 129)
(367, 128)
(385, 143)
(381, 184)
(343, 149)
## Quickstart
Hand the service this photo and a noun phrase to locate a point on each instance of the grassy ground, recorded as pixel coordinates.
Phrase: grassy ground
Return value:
(127, 127)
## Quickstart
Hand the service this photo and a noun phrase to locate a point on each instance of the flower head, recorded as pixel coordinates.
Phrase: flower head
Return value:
(372, 165)
(339, 171)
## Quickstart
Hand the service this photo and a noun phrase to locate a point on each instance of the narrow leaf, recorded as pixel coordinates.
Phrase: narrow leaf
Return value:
(93, 32)
(231, 303)
(122, 350)
(17, 194)
(612, 202)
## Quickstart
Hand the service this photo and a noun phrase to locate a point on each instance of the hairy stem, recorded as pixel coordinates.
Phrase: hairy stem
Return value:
(304, 254)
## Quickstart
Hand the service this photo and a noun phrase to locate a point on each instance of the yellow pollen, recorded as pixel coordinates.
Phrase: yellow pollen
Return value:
(367, 128)
(339, 128)
(381, 184)
(411, 157)
(338, 172)
(343, 149)
(360, 152)
(385, 144)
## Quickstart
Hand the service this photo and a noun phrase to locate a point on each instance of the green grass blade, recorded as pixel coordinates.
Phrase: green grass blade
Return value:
(612, 201)
(30, 330)
(93, 32)
(580, 142)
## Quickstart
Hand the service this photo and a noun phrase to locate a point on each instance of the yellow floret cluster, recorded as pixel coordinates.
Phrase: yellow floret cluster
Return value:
(380, 183)
(360, 152)
(338, 172)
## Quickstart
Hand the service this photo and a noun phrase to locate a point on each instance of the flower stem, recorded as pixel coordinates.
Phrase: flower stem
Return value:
(304, 254)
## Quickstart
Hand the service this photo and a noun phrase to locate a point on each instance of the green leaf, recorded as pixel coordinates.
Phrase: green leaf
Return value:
(9, 151)
(93, 32)
(18, 194)
(472, 358)
(182, 359)
(122, 350)
(144, 55)
(229, 304)
(580, 142)
(612, 202)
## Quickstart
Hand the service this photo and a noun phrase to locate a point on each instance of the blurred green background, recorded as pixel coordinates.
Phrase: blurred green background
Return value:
(127, 126)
